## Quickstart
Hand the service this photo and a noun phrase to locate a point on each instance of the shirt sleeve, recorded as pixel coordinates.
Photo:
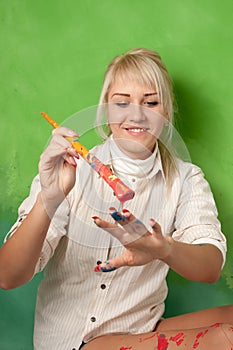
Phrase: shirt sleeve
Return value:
(57, 228)
(196, 219)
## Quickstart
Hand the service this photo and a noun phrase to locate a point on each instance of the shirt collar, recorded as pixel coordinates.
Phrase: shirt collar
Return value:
(122, 163)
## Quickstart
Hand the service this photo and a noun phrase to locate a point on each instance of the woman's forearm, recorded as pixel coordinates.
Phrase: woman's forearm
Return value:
(196, 262)
(19, 255)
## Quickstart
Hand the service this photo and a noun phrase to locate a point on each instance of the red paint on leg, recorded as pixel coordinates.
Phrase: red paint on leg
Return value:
(216, 325)
(162, 342)
(198, 336)
(178, 338)
(123, 348)
(147, 338)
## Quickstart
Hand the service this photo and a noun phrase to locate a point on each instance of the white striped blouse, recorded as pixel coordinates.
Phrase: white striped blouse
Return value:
(74, 303)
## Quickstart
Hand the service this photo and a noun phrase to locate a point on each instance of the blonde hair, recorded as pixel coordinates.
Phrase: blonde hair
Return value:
(145, 67)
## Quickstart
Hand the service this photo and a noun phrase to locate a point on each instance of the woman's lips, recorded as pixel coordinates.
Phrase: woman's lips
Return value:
(136, 131)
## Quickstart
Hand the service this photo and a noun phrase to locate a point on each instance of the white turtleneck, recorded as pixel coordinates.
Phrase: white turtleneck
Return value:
(128, 168)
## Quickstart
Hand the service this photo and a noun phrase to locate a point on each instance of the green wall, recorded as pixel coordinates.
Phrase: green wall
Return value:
(53, 56)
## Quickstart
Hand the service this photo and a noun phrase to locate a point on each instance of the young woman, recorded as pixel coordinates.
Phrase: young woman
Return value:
(64, 226)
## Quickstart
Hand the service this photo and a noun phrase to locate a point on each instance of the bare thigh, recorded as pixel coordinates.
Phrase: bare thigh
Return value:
(216, 337)
(203, 318)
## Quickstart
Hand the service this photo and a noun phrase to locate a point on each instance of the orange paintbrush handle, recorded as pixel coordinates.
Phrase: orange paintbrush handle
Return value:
(83, 151)
(122, 192)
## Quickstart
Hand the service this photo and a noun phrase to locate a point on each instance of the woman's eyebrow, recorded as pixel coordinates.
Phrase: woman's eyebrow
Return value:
(150, 94)
(120, 94)
(128, 95)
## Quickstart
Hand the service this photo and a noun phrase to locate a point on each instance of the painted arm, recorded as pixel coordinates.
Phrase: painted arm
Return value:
(20, 253)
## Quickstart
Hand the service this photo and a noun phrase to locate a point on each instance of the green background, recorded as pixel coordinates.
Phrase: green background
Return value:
(53, 56)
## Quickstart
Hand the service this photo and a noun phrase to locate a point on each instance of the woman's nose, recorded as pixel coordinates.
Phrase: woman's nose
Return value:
(136, 113)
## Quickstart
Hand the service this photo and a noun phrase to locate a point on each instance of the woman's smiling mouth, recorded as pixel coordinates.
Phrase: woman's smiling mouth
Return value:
(136, 131)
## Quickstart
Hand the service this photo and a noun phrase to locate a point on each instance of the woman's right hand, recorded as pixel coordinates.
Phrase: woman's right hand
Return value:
(57, 169)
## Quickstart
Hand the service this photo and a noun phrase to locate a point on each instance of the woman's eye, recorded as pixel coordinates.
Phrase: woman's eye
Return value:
(122, 104)
(151, 103)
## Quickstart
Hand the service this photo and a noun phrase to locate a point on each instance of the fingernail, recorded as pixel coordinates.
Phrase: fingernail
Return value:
(72, 162)
(97, 268)
(152, 223)
(95, 218)
(112, 209)
(73, 133)
(126, 212)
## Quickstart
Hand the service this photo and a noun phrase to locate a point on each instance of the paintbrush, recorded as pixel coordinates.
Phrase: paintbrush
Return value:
(121, 191)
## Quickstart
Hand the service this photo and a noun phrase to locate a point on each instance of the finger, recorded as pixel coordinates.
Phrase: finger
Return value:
(111, 228)
(65, 137)
(59, 147)
(70, 161)
(156, 228)
(118, 217)
(104, 224)
(112, 264)
(129, 222)
(65, 132)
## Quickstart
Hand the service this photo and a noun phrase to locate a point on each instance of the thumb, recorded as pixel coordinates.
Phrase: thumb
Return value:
(111, 265)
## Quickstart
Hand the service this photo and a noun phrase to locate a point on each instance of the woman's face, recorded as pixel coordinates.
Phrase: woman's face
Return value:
(135, 117)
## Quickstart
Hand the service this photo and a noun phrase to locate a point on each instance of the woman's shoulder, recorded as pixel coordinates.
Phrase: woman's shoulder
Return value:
(187, 168)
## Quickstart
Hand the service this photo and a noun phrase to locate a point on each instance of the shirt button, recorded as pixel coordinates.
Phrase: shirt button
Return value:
(103, 286)
(133, 180)
(93, 319)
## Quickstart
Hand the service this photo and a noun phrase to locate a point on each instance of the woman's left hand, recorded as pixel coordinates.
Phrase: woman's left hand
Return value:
(141, 246)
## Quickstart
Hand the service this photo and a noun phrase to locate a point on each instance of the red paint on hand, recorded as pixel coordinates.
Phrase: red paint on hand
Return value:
(97, 268)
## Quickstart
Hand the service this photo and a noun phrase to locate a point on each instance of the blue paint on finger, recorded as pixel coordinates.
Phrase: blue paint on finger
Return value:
(116, 216)
(108, 269)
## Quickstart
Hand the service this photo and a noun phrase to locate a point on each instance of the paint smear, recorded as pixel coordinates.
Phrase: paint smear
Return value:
(198, 336)
(162, 342)
(123, 348)
(216, 324)
(178, 338)
(147, 338)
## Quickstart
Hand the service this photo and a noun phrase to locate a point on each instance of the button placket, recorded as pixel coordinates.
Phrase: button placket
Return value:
(101, 293)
